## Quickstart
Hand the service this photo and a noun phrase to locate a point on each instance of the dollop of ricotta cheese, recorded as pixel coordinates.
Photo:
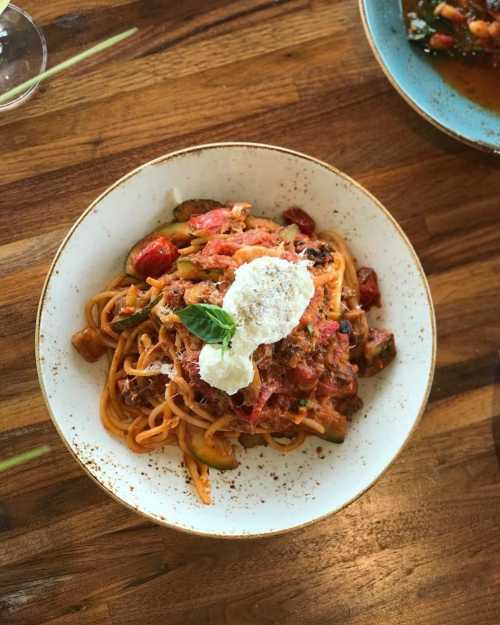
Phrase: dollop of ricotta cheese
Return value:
(267, 299)
(228, 372)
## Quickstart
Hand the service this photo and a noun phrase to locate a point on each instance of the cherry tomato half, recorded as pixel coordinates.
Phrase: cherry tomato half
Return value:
(155, 257)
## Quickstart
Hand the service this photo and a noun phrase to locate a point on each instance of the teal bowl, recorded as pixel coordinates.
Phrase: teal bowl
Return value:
(420, 84)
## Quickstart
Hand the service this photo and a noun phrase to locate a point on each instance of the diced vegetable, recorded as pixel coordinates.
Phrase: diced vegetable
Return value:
(301, 219)
(88, 344)
(349, 405)
(151, 257)
(178, 232)
(217, 453)
(379, 350)
(494, 28)
(186, 210)
(480, 29)
(441, 41)
(251, 440)
(136, 318)
(339, 383)
(290, 232)
(450, 13)
(189, 271)
(334, 422)
(369, 293)
(331, 387)
(335, 431)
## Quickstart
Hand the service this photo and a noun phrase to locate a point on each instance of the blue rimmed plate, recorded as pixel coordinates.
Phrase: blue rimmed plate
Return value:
(420, 84)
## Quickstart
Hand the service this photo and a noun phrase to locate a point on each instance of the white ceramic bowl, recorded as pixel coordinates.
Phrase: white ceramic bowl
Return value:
(269, 492)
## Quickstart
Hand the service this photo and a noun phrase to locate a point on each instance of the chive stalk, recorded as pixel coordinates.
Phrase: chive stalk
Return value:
(24, 457)
(12, 93)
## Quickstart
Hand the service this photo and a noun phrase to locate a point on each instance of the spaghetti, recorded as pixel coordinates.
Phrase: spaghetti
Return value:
(304, 385)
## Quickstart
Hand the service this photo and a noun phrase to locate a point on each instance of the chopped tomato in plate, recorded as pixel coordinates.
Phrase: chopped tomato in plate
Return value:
(155, 257)
(299, 217)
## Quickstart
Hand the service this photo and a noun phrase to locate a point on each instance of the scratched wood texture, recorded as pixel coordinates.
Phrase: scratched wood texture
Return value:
(423, 546)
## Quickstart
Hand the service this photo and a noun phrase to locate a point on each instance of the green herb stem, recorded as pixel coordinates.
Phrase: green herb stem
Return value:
(12, 93)
(24, 457)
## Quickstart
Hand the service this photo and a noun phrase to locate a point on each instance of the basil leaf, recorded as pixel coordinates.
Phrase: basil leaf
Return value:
(210, 323)
(136, 318)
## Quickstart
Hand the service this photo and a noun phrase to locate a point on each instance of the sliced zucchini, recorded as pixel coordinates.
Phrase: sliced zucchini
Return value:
(185, 210)
(218, 455)
(177, 232)
(251, 440)
(189, 271)
(335, 431)
(136, 318)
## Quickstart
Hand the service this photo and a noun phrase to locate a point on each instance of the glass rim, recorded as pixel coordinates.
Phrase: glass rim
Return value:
(43, 66)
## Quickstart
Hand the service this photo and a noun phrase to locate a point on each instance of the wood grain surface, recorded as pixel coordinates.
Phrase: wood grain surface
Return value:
(420, 548)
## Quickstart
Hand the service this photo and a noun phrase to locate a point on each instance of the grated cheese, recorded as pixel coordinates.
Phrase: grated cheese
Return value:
(229, 372)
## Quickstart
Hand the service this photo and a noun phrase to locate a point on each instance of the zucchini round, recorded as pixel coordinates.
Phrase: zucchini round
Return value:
(185, 210)
(217, 454)
(177, 231)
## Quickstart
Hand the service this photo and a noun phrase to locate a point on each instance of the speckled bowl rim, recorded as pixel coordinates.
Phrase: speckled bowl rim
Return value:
(478, 144)
(223, 145)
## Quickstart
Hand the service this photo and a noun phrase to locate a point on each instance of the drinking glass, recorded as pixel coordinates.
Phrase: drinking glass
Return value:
(23, 53)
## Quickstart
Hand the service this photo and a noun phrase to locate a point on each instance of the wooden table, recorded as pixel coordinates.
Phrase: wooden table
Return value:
(423, 546)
